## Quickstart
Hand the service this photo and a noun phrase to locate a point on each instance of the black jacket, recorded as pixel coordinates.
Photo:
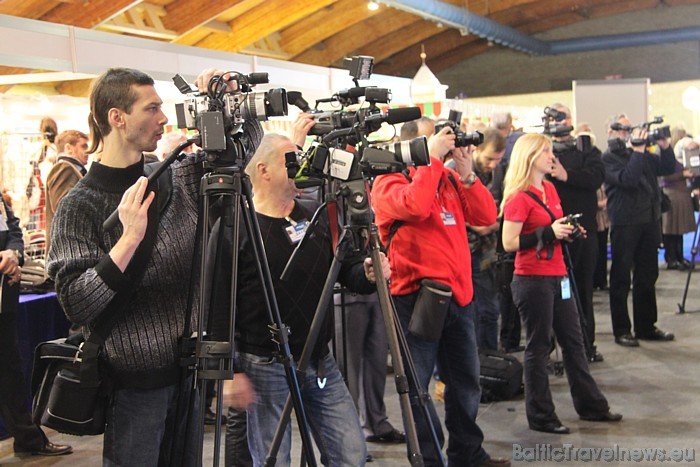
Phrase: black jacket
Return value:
(585, 171)
(634, 196)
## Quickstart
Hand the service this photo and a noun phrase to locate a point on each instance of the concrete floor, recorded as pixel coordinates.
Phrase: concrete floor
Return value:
(655, 386)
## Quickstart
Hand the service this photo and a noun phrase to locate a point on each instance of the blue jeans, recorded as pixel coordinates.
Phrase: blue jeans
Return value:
(140, 425)
(458, 365)
(486, 303)
(330, 412)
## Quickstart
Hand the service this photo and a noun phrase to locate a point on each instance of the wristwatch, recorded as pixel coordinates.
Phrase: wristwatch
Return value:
(469, 179)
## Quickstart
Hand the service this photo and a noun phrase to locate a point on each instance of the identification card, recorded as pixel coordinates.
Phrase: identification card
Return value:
(448, 218)
(296, 231)
(565, 289)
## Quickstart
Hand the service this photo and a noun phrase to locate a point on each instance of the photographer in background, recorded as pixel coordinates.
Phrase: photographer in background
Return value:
(482, 241)
(533, 227)
(432, 205)
(577, 173)
(634, 209)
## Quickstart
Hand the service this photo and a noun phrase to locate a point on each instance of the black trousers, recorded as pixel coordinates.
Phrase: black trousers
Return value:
(543, 310)
(600, 277)
(673, 248)
(584, 252)
(13, 394)
(634, 250)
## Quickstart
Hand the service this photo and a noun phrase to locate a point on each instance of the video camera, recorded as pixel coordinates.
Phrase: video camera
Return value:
(652, 135)
(553, 128)
(338, 129)
(218, 114)
(454, 119)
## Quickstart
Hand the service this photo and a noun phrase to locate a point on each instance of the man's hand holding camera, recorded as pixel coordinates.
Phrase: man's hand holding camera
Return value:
(441, 143)
(301, 127)
(202, 81)
(558, 171)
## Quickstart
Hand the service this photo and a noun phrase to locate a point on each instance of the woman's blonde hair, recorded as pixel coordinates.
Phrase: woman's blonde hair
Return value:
(526, 149)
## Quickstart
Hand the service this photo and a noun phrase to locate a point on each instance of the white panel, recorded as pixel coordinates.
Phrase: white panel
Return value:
(598, 100)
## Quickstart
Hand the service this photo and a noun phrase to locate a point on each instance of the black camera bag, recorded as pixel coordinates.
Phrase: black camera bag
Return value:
(70, 380)
(501, 376)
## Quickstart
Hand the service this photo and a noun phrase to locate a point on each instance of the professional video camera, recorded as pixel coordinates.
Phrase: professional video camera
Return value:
(461, 139)
(552, 127)
(219, 114)
(341, 128)
(653, 136)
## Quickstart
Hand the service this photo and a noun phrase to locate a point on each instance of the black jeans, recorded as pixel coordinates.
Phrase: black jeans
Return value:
(13, 394)
(543, 310)
(634, 250)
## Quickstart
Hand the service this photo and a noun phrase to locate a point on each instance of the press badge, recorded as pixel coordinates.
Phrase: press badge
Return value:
(565, 289)
(448, 218)
(295, 231)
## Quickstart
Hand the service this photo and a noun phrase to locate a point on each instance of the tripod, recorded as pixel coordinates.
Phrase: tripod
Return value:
(362, 232)
(694, 253)
(207, 360)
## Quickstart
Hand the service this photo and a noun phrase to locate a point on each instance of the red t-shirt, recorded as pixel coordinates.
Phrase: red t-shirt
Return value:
(522, 208)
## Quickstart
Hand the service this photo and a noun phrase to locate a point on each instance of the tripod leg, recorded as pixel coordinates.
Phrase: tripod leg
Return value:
(393, 329)
(693, 254)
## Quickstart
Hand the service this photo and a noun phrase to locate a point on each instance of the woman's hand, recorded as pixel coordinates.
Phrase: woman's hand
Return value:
(562, 229)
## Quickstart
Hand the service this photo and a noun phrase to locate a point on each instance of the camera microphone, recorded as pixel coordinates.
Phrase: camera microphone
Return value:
(554, 114)
(394, 116)
(617, 126)
(294, 98)
(258, 78)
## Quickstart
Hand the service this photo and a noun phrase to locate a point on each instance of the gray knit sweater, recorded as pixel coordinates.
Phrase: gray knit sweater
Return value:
(142, 346)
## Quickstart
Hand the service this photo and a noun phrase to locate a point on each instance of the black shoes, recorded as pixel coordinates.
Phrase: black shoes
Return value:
(627, 340)
(553, 427)
(369, 458)
(49, 449)
(394, 436)
(602, 417)
(657, 335)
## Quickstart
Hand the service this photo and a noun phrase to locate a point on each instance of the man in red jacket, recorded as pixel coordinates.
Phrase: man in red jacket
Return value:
(429, 209)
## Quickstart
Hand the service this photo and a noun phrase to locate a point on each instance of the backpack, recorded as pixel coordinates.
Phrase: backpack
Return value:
(501, 376)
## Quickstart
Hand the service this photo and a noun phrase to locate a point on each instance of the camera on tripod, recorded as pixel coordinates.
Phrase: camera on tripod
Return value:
(335, 130)
(461, 139)
(218, 114)
(572, 220)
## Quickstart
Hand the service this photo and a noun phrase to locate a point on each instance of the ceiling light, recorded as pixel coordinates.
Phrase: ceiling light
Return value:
(372, 5)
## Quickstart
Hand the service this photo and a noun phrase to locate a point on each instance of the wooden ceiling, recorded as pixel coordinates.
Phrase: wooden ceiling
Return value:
(318, 32)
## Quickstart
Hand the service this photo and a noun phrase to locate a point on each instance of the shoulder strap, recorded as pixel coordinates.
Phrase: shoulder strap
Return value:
(539, 201)
(89, 372)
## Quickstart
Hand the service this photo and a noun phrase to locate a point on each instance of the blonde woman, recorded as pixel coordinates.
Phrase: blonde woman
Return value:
(534, 227)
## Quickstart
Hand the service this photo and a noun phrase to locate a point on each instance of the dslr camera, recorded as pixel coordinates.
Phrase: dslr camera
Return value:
(461, 139)
(572, 219)
(218, 114)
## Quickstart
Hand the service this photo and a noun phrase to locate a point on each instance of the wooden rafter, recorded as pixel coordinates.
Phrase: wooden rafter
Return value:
(266, 18)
